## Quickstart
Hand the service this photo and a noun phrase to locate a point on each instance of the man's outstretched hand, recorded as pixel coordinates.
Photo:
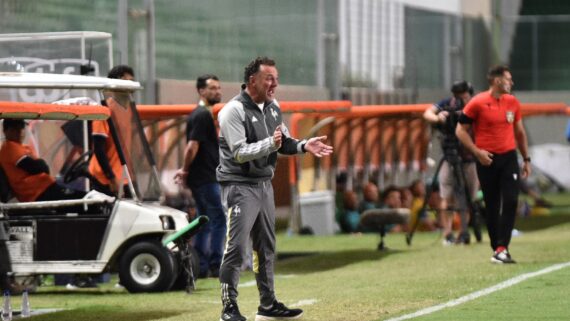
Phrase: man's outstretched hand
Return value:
(317, 147)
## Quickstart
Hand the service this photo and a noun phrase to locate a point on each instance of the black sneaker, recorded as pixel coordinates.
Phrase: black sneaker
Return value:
(449, 239)
(230, 312)
(502, 257)
(278, 311)
(463, 238)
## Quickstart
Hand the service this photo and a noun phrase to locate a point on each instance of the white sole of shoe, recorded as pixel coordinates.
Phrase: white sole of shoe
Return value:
(494, 260)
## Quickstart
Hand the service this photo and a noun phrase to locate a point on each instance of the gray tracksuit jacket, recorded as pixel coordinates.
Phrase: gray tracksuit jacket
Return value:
(247, 151)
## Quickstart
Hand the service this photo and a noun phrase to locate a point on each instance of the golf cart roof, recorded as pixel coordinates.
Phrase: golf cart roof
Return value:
(59, 81)
(9, 109)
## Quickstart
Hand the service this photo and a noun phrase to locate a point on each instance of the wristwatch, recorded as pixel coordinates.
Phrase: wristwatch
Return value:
(526, 159)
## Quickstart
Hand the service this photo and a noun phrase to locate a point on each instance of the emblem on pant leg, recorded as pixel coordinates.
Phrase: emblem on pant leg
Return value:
(510, 116)
(236, 210)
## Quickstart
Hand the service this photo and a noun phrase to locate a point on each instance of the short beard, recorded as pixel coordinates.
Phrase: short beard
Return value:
(212, 102)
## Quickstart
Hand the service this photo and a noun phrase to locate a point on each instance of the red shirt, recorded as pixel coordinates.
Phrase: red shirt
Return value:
(26, 187)
(493, 121)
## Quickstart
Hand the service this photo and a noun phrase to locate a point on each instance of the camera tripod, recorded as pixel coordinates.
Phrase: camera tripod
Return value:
(455, 164)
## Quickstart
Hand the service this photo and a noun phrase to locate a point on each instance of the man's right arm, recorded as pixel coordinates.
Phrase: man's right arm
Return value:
(99, 143)
(33, 166)
(232, 119)
(435, 115)
(189, 154)
(462, 132)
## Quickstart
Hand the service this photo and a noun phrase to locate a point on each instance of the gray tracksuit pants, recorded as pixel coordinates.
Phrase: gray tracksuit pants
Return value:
(250, 213)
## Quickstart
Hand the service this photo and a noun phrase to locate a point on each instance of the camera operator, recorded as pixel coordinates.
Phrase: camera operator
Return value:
(445, 115)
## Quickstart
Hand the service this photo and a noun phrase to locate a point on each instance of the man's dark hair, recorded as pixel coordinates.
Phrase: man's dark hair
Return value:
(253, 67)
(119, 71)
(387, 192)
(13, 123)
(462, 86)
(201, 82)
(496, 71)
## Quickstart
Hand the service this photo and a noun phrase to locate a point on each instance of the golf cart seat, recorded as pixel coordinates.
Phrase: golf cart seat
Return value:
(378, 219)
(45, 207)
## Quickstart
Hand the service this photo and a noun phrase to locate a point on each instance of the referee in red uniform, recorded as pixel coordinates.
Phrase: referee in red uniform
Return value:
(495, 116)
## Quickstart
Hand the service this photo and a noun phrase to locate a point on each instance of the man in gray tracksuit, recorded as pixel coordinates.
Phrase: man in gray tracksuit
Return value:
(251, 134)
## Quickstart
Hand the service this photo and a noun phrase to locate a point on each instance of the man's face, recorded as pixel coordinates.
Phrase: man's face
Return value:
(212, 93)
(504, 84)
(393, 199)
(465, 97)
(264, 83)
(127, 76)
(15, 134)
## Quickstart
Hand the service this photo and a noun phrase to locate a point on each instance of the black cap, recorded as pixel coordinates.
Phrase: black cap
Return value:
(14, 123)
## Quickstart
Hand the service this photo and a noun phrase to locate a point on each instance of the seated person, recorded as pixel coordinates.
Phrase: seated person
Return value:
(392, 198)
(350, 216)
(27, 174)
(370, 198)
(533, 193)
(339, 199)
(407, 197)
(427, 220)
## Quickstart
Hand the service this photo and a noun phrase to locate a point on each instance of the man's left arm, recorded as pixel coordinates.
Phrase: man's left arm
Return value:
(290, 145)
(522, 143)
(314, 145)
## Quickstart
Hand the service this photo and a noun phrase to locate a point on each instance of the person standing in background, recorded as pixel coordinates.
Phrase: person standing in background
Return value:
(106, 166)
(201, 157)
(495, 116)
(452, 191)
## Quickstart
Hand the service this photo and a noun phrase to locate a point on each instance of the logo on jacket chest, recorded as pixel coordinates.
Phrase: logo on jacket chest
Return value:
(274, 113)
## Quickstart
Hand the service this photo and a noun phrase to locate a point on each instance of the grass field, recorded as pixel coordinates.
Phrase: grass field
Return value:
(343, 277)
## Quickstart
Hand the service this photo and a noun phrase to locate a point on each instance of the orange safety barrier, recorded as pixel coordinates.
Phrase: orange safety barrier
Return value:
(9, 109)
(405, 135)
(148, 112)
(529, 109)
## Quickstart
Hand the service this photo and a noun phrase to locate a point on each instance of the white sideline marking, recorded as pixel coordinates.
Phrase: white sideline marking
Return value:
(304, 302)
(480, 293)
(248, 284)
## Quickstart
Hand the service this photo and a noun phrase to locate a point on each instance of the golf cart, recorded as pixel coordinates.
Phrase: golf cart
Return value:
(146, 243)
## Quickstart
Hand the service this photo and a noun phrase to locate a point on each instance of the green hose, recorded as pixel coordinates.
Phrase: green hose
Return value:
(194, 225)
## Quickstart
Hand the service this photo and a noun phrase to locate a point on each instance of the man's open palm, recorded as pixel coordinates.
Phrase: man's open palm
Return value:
(317, 147)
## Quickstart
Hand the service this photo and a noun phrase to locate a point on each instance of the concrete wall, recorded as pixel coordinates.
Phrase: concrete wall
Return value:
(172, 91)
(545, 129)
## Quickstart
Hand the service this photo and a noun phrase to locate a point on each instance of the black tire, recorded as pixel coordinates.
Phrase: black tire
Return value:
(182, 280)
(147, 267)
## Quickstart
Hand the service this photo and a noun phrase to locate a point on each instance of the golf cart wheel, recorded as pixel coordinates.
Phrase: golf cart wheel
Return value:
(147, 267)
